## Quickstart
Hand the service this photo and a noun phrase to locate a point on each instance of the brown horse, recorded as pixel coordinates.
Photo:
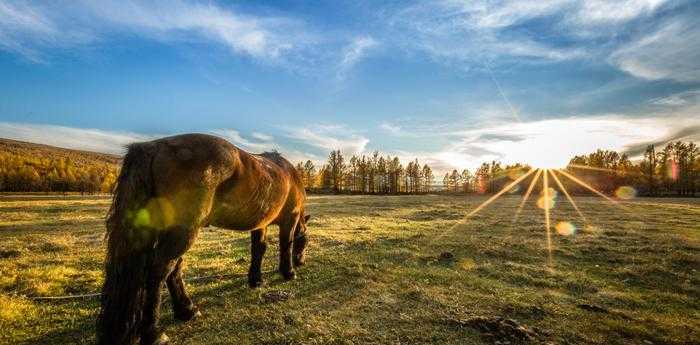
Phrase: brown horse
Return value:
(167, 190)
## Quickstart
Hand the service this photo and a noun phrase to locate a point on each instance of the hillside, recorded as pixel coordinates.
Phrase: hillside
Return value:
(30, 167)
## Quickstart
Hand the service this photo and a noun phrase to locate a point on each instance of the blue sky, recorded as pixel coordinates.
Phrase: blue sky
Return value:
(451, 82)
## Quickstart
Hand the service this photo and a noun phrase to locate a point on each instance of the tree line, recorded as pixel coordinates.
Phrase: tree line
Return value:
(373, 174)
(671, 171)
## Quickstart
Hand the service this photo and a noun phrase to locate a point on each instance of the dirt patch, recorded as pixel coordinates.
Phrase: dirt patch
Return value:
(434, 215)
(593, 308)
(275, 296)
(6, 253)
(501, 330)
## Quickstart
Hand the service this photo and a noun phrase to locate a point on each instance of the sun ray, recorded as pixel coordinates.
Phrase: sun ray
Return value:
(527, 194)
(568, 197)
(587, 186)
(495, 196)
(484, 204)
(505, 173)
(587, 167)
(545, 190)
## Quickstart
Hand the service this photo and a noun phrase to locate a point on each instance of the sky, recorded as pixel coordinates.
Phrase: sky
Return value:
(452, 83)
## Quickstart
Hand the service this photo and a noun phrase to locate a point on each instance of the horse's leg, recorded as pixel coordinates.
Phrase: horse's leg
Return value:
(172, 244)
(258, 246)
(286, 236)
(183, 308)
(150, 335)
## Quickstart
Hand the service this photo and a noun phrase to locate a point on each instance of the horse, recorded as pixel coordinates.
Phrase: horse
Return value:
(167, 190)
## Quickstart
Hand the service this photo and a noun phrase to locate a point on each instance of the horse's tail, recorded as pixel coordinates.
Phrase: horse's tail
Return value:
(129, 250)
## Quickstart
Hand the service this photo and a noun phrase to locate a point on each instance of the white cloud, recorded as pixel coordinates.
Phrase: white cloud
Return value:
(329, 137)
(671, 52)
(260, 144)
(596, 12)
(261, 136)
(264, 143)
(115, 142)
(390, 128)
(95, 140)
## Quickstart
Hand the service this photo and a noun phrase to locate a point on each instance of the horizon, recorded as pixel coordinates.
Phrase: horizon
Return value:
(452, 84)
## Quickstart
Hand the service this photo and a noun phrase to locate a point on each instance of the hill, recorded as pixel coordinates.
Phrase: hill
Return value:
(30, 167)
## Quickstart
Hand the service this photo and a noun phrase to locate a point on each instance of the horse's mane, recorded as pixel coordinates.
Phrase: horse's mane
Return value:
(274, 156)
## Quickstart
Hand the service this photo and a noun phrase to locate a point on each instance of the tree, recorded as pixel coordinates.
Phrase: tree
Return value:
(427, 178)
(336, 169)
(466, 178)
(649, 167)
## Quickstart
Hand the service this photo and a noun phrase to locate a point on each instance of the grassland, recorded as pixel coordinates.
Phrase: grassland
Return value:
(385, 270)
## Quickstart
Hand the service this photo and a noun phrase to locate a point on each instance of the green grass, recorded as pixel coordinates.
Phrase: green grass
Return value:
(385, 270)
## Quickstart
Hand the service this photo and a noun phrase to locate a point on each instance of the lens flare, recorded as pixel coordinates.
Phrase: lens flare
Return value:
(626, 192)
(568, 196)
(551, 199)
(527, 194)
(467, 264)
(565, 228)
(547, 201)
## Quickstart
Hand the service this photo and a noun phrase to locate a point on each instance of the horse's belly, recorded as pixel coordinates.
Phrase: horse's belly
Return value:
(244, 216)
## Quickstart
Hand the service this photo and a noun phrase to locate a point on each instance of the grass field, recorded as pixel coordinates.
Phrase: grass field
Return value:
(385, 270)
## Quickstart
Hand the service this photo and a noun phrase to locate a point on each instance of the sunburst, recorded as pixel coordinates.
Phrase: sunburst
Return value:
(546, 201)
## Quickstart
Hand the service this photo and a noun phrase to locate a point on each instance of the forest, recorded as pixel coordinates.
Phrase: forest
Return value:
(26, 167)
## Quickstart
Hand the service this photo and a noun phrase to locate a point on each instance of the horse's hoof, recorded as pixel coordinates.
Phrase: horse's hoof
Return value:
(160, 339)
(289, 275)
(188, 314)
(299, 262)
(255, 283)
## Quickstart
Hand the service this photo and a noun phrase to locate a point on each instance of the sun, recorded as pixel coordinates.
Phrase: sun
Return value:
(548, 161)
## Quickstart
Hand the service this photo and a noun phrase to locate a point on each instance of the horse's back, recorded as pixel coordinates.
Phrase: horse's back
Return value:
(187, 170)
(200, 179)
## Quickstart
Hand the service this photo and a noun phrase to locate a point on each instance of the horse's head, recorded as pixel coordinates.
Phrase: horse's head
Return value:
(300, 241)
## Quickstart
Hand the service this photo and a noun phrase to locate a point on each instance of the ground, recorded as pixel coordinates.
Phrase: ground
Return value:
(385, 270)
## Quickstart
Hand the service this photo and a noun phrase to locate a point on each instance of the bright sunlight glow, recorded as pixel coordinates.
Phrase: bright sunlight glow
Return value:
(550, 144)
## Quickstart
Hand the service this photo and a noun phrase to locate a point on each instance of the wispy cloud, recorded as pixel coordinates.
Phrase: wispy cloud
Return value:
(471, 33)
(29, 29)
(32, 29)
(329, 137)
(259, 143)
(597, 12)
(353, 53)
(390, 128)
(670, 52)
(257, 36)
(689, 133)
(96, 140)
(685, 98)
(475, 31)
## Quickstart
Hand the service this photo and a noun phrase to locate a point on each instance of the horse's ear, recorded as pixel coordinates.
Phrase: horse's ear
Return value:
(306, 218)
